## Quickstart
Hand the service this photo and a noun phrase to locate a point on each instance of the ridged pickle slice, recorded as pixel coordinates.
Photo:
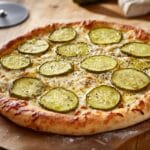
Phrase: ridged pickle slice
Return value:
(27, 87)
(62, 35)
(105, 36)
(34, 46)
(55, 68)
(59, 100)
(103, 97)
(130, 79)
(72, 50)
(99, 63)
(136, 49)
(15, 61)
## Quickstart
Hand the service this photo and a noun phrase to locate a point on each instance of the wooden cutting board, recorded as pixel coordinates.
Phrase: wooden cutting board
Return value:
(43, 12)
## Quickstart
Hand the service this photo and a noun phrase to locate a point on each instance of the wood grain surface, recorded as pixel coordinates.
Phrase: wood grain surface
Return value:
(43, 12)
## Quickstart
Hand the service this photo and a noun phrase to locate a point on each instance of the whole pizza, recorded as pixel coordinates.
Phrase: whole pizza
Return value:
(78, 78)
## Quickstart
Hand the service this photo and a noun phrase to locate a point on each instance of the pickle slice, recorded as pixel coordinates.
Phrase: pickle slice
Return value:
(27, 87)
(130, 79)
(135, 63)
(105, 36)
(15, 61)
(103, 97)
(99, 63)
(71, 50)
(54, 68)
(63, 35)
(136, 49)
(139, 64)
(59, 100)
(34, 46)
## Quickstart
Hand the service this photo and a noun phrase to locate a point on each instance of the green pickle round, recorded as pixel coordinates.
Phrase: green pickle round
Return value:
(72, 50)
(99, 63)
(131, 62)
(27, 87)
(130, 79)
(105, 36)
(15, 61)
(136, 49)
(59, 100)
(34, 46)
(103, 97)
(62, 35)
(55, 68)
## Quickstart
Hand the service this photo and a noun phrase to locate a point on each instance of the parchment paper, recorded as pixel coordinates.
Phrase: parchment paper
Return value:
(13, 137)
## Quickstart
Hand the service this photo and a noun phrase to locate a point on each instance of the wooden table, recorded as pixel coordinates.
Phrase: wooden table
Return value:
(43, 12)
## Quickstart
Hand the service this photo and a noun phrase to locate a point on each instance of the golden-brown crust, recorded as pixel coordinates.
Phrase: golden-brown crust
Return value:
(84, 121)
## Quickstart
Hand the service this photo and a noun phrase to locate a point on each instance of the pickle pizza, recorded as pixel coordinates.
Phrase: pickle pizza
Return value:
(78, 78)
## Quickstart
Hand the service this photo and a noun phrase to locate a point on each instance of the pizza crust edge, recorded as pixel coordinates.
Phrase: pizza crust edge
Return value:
(86, 123)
